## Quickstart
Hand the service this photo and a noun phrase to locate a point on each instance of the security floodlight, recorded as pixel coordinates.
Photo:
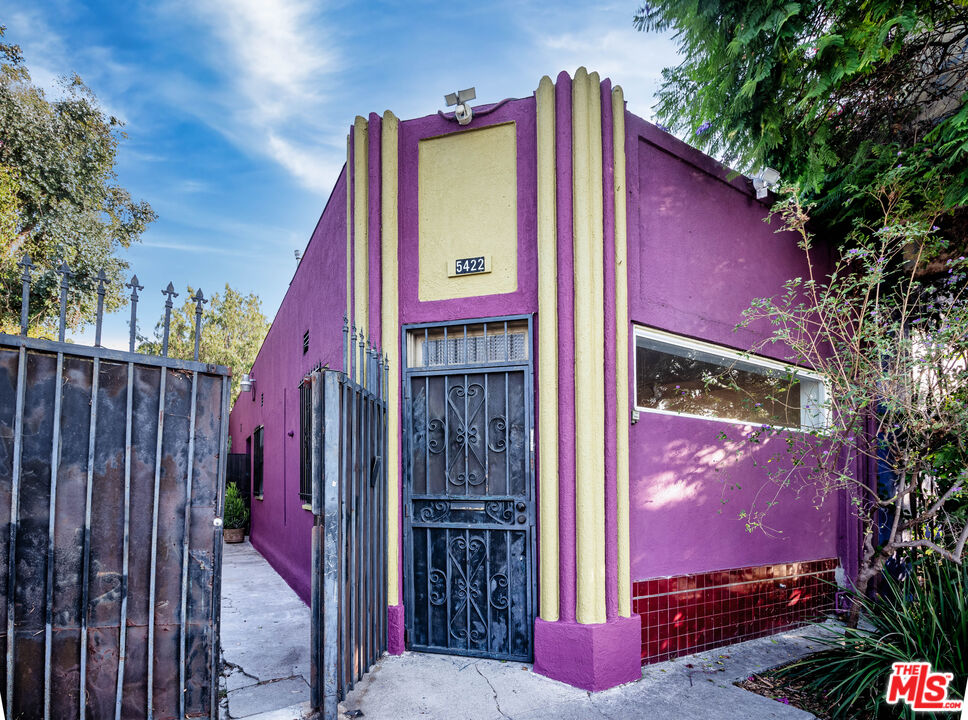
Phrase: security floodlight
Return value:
(762, 183)
(461, 98)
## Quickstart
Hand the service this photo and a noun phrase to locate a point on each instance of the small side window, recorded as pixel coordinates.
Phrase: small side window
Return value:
(257, 460)
(305, 442)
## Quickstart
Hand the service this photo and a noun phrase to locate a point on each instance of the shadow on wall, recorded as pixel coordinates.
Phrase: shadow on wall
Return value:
(688, 491)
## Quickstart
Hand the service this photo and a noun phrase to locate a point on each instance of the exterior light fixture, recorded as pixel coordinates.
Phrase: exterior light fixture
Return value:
(247, 384)
(763, 182)
(461, 98)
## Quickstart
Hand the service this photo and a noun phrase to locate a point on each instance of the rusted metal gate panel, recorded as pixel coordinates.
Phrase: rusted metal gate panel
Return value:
(349, 602)
(110, 492)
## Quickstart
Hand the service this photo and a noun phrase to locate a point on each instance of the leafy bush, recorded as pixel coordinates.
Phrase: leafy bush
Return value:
(236, 513)
(920, 618)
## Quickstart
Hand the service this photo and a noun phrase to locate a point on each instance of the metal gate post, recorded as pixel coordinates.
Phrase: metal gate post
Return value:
(327, 392)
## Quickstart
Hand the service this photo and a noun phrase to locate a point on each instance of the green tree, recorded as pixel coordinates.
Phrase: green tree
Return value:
(893, 353)
(233, 328)
(836, 95)
(59, 197)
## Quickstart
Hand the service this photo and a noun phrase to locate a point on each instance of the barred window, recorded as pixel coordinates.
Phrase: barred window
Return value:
(257, 460)
(479, 344)
(305, 441)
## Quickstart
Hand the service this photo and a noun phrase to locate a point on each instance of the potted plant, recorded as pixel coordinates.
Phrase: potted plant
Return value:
(235, 515)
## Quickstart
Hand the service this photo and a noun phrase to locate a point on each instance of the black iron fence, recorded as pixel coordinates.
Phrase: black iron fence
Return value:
(110, 503)
(349, 500)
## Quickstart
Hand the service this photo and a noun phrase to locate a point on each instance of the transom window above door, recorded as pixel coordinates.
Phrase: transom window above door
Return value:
(474, 344)
(679, 376)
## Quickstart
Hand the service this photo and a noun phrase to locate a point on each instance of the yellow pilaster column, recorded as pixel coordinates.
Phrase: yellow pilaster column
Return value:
(621, 352)
(361, 267)
(589, 348)
(547, 349)
(390, 325)
(349, 246)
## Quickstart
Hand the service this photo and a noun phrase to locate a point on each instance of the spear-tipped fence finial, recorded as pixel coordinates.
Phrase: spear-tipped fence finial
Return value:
(346, 329)
(102, 280)
(65, 272)
(170, 293)
(352, 351)
(135, 287)
(27, 264)
(199, 299)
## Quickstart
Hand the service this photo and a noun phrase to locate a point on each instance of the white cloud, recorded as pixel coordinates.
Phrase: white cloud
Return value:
(630, 59)
(602, 39)
(49, 59)
(316, 168)
(274, 59)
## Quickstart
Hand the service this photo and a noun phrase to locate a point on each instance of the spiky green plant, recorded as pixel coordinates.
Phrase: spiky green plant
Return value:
(921, 618)
(236, 513)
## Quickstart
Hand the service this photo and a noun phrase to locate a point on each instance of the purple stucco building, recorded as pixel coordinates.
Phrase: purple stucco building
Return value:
(550, 283)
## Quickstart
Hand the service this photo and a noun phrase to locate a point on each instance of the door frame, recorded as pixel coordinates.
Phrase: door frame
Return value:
(407, 374)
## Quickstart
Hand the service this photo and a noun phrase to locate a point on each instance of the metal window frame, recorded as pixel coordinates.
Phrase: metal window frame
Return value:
(531, 482)
(726, 353)
(258, 451)
(305, 431)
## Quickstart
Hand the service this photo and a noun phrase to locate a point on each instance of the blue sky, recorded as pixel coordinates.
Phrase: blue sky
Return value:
(236, 111)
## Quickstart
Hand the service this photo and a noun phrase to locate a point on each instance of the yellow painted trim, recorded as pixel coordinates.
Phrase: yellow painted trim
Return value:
(361, 212)
(390, 326)
(467, 206)
(349, 245)
(547, 349)
(621, 353)
(589, 358)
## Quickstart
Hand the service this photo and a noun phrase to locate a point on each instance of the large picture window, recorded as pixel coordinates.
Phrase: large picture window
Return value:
(679, 376)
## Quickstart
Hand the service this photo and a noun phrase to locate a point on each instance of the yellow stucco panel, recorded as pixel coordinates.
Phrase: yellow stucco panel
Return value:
(467, 199)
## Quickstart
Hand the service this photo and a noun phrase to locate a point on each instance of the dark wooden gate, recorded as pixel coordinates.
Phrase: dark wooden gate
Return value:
(110, 499)
(349, 502)
(469, 505)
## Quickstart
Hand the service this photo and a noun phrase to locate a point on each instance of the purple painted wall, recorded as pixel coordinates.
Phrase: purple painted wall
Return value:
(699, 251)
(315, 301)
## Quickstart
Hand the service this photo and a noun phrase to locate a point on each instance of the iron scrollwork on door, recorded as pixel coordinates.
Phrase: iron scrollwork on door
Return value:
(470, 514)
(472, 588)
(466, 409)
(499, 512)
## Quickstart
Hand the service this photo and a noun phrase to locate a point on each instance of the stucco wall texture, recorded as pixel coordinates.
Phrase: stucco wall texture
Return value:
(698, 252)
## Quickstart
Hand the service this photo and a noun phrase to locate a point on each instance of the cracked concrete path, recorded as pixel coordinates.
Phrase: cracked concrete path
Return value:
(265, 640)
(265, 646)
(695, 687)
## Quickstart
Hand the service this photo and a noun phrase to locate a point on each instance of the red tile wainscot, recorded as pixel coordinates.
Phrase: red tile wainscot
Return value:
(689, 613)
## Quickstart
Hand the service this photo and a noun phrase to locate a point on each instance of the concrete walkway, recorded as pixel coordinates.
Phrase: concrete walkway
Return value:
(265, 643)
(696, 687)
(265, 640)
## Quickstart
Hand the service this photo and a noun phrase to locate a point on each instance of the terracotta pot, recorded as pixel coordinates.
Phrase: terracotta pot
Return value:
(234, 535)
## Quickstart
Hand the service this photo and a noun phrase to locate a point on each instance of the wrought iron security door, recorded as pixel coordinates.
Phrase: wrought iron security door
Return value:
(470, 502)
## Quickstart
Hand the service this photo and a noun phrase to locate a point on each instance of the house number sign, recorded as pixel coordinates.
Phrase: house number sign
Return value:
(470, 266)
